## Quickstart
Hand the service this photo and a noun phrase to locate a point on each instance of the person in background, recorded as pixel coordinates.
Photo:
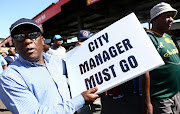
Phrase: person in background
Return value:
(174, 39)
(70, 48)
(137, 85)
(3, 64)
(46, 44)
(57, 48)
(4, 54)
(161, 86)
(36, 81)
(46, 47)
(96, 107)
(12, 56)
(115, 92)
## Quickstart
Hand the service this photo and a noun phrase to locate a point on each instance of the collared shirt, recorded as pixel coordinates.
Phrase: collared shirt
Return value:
(2, 63)
(28, 87)
(60, 52)
(10, 58)
(165, 80)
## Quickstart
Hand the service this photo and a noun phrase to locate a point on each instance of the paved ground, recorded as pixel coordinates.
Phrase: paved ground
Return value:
(129, 104)
(3, 109)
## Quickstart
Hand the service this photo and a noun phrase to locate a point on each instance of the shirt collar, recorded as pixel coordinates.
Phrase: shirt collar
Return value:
(164, 35)
(28, 63)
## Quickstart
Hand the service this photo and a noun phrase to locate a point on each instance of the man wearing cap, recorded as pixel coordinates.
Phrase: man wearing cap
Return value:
(36, 82)
(161, 86)
(57, 48)
(83, 35)
(95, 107)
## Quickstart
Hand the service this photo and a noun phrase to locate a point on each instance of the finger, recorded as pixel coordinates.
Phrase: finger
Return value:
(93, 90)
(96, 96)
(80, 43)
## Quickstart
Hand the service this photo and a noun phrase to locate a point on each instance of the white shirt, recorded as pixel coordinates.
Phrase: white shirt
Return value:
(60, 52)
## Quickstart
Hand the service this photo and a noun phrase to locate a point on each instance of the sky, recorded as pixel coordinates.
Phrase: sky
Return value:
(12, 10)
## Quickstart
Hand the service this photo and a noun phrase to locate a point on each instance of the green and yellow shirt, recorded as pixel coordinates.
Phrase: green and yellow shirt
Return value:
(165, 80)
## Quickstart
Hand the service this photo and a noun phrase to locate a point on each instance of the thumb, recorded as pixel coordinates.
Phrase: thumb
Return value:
(93, 90)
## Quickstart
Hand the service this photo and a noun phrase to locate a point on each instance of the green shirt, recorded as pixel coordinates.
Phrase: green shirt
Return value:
(165, 80)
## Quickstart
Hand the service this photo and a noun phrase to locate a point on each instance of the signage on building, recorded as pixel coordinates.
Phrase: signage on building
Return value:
(48, 13)
(89, 2)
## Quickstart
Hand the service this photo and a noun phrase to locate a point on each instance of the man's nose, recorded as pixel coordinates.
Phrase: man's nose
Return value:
(171, 19)
(28, 41)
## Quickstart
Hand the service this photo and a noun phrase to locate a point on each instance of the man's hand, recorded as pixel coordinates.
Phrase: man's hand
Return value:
(78, 44)
(90, 96)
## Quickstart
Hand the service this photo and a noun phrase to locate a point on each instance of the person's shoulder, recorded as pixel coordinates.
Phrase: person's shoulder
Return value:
(10, 70)
(63, 47)
(49, 51)
(15, 63)
(149, 32)
(1, 57)
(13, 73)
(52, 48)
(167, 35)
(7, 57)
(52, 57)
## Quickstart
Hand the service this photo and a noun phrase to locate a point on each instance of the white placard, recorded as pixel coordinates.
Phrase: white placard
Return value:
(111, 57)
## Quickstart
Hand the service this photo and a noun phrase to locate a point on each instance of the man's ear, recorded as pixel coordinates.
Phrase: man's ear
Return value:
(42, 38)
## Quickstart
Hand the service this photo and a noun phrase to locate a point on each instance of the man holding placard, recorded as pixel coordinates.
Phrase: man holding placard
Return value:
(36, 82)
(161, 86)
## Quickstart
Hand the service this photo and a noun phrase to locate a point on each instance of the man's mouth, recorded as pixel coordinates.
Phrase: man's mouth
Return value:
(29, 50)
(170, 24)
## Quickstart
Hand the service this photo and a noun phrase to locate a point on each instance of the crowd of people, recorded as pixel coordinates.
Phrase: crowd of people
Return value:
(35, 79)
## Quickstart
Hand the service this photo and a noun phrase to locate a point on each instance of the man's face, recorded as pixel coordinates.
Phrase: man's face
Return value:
(57, 42)
(12, 52)
(29, 49)
(164, 21)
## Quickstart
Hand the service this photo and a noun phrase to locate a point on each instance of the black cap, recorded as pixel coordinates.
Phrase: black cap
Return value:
(24, 21)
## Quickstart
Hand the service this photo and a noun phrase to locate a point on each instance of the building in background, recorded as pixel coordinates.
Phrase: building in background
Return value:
(175, 31)
(68, 17)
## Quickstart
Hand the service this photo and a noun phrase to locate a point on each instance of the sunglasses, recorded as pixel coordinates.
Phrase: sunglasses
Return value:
(22, 37)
